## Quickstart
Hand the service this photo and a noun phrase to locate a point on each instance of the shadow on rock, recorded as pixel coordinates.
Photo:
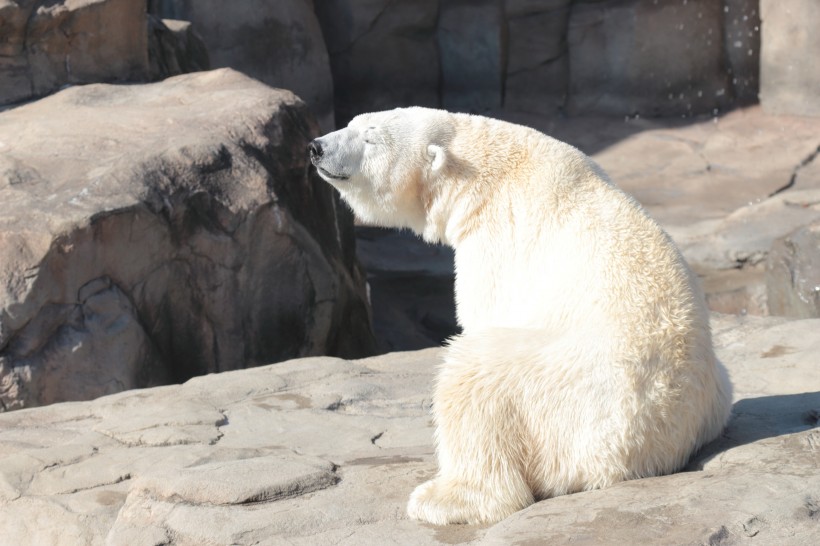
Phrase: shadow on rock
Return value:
(755, 419)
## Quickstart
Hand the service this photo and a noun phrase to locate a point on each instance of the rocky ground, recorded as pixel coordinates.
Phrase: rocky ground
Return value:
(326, 451)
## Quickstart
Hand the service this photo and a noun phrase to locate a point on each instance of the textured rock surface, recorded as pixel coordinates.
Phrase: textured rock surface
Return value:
(793, 273)
(174, 48)
(789, 72)
(471, 48)
(279, 43)
(155, 232)
(537, 73)
(619, 58)
(383, 54)
(411, 288)
(45, 45)
(326, 451)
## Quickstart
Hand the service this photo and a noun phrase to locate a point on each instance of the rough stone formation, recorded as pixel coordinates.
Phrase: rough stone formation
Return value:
(543, 56)
(793, 273)
(382, 53)
(150, 233)
(789, 72)
(411, 288)
(470, 44)
(537, 60)
(619, 58)
(174, 48)
(45, 45)
(326, 451)
(279, 43)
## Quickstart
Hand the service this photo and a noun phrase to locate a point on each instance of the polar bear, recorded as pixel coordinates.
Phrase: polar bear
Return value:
(586, 356)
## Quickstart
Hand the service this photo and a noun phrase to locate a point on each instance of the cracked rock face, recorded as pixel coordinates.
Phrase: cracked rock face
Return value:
(326, 451)
(278, 43)
(46, 45)
(155, 232)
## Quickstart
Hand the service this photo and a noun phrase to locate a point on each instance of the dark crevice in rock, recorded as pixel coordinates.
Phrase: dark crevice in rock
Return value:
(368, 30)
(793, 178)
(115, 481)
(219, 424)
(376, 437)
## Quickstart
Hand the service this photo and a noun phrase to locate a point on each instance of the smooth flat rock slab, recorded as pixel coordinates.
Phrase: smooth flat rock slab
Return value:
(327, 451)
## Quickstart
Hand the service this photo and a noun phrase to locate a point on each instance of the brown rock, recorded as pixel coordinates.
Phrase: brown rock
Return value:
(46, 45)
(155, 232)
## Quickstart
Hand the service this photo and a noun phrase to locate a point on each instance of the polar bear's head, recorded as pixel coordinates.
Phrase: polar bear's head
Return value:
(383, 163)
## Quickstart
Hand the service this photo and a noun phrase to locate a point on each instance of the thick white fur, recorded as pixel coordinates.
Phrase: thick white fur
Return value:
(586, 357)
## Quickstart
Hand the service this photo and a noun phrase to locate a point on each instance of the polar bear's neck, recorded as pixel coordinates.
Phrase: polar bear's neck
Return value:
(497, 170)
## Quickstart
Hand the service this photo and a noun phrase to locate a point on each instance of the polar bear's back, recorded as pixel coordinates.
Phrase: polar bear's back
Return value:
(559, 237)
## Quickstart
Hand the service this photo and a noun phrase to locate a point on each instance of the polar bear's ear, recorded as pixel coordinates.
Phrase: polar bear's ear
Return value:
(437, 157)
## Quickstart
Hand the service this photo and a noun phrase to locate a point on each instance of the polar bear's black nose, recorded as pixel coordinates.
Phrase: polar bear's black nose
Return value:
(315, 148)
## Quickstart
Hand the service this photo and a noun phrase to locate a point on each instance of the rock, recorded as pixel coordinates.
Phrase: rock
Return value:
(793, 273)
(322, 451)
(174, 48)
(278, 43)
(789, 75)
(537, 74)
(619, 58)
(47, 45)
(411, 288)
(383, 54)
(745, 236)
(471, 50)
(151, 233)
(741, 34)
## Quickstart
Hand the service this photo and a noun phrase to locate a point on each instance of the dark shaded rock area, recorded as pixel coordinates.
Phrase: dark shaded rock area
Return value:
(155, 232)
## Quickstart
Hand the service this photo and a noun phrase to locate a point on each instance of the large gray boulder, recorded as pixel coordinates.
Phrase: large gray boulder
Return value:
(151, 233)
(278, 43)
(789, 71)
(327, 451)
(45, 45)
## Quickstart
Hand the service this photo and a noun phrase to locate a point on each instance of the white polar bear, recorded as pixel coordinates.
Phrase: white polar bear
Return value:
(586, 357)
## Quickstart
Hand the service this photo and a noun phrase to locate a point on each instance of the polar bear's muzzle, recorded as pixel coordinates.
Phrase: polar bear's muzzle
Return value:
(337, 155)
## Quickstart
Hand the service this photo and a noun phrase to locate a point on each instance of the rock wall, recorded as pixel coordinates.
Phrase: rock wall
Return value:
(543, 56)
(279, 43)
(156, 232)
(45, 45)
(789, 71)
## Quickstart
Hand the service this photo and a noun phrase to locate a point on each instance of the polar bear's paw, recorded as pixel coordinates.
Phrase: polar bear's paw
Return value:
(441, 502)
